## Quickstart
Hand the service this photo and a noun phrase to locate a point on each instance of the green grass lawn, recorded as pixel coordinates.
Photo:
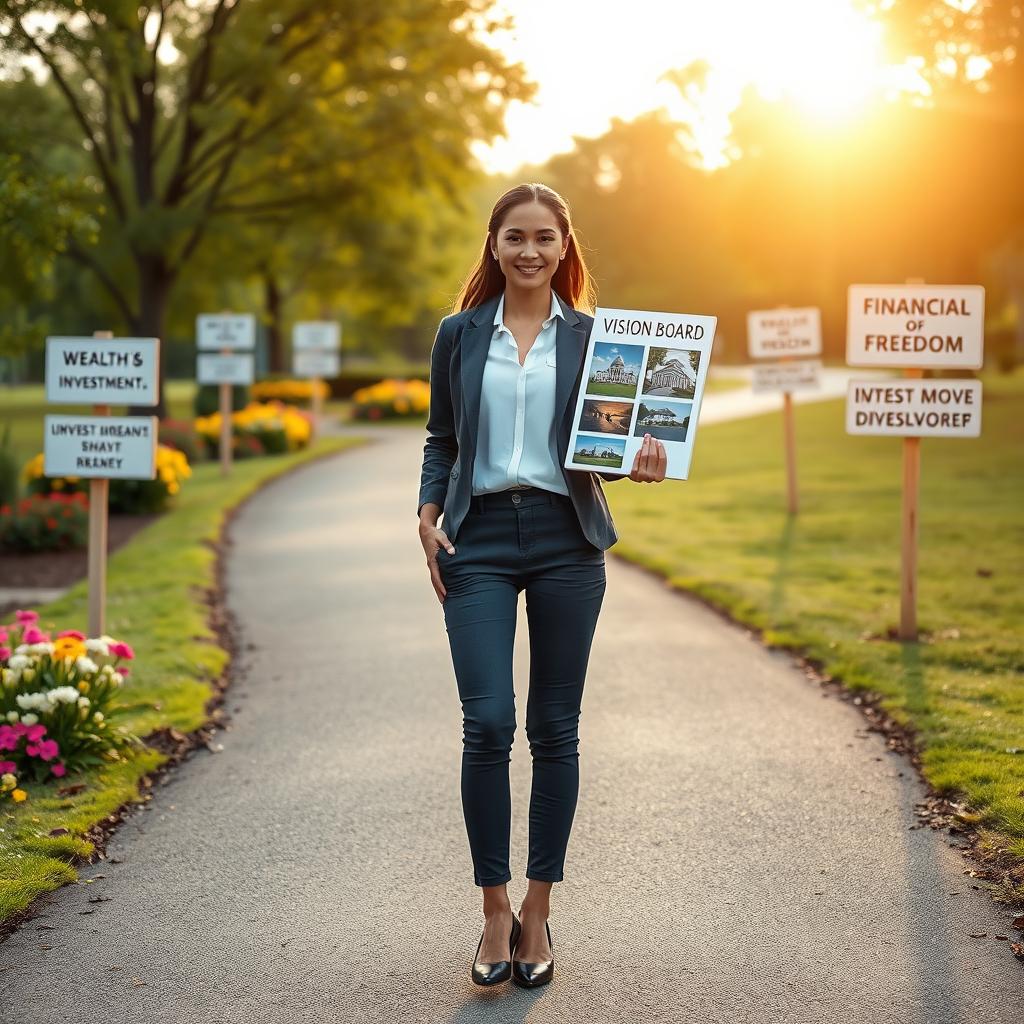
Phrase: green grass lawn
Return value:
(827, 583)
(155, 601)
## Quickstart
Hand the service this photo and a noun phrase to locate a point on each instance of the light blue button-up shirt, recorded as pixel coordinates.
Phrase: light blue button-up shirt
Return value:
(516, 438)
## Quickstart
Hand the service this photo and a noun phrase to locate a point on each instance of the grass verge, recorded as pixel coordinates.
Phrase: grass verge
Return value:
(159, 591)
(826, 583)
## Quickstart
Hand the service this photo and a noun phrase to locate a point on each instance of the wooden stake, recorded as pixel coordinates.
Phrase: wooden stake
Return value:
(908, 558)
(317, 407)
(792, 503)
(225, 423)
(99, 501)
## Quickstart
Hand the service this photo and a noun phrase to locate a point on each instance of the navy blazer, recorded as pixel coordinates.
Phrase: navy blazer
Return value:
(457, 362)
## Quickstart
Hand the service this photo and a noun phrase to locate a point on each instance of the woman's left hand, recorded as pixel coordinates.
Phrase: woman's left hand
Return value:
(650, 462)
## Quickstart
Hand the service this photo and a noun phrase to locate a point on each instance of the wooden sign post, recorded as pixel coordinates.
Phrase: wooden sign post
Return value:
(316, 346)
(782, 334)
(914, 327)
(104, 370)
(226, 333)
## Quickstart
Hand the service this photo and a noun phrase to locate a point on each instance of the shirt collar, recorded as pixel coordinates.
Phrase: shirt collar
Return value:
(556, 310)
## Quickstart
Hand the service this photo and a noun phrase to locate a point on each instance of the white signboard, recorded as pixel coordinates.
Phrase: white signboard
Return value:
(122, 447)
(213, 368)
(643, 373)
(316, 334)
(804, 375)
(915, 325)
(226, 330)
(102, 371)
(314, 363)
(914, 408)
(784, 332)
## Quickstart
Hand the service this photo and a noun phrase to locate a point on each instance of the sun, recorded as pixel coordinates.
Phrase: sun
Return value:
(824, 57)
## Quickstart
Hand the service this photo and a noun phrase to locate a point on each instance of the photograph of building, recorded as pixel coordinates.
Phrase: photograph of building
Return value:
(667, 421)
(671, 372)
(599, 451)
(615, 370)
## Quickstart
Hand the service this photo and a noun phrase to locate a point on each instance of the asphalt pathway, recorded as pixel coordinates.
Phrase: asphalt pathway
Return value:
(742, 850)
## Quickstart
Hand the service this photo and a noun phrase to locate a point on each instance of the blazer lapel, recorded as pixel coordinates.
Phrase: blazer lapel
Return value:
(570, 345)
(476, 341)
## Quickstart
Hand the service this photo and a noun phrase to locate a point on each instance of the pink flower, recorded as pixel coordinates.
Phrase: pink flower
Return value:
(48, 750)
(31, 749)
(5, 652)
(3, 634)
(20, 728)
(34, 636)
(35, 732)
(72, 632)
(26, 618)
(8, 766)
(123, 669)
(58, 768)
(9, 739)
(119, 649)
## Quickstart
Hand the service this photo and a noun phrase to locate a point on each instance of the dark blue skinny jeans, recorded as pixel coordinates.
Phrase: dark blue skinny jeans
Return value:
(512, 541)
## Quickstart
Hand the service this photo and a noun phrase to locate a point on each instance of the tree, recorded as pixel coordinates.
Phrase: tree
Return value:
(196, 114)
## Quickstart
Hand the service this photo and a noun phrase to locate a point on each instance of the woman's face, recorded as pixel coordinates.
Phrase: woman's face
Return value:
(528, 245)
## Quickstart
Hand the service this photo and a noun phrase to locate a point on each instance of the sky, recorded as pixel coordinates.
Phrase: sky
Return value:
(594, 61)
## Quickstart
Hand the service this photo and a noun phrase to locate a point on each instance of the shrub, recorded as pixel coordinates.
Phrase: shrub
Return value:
(390, 399)
(288, 390)
(181, 434)
(45, 522)
(273, 426)
(8, 469)
(207, 399)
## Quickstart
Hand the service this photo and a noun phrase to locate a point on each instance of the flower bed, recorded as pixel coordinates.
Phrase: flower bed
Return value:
(261, 428)
(391, 398)
(45, 522)
(292, 392)
(58, 700)
(131, 497)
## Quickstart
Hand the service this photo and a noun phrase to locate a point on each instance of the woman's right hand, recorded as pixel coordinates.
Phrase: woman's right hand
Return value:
(433, 539)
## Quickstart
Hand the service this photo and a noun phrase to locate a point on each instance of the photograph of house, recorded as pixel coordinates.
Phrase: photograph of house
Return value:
(599, 451)
(671, 372)
(668, 421)
(614, 370)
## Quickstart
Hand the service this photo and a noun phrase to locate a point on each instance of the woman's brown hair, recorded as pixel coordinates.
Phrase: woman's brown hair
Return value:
(571, 280)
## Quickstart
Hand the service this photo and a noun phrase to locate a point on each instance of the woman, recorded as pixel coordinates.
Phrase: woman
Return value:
(505, 370)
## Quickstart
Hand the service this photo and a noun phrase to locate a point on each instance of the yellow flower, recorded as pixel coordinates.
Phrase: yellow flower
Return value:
(18, 795)
(68, 647)
(83, 686)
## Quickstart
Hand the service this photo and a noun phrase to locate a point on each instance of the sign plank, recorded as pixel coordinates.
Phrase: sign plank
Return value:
(802, 375)
(914, 408)
(102, 371)
(915, 325)
(214, 368)
(315, 363)
(784, 332)
(316, 334)
(226, 330)
(121, 447)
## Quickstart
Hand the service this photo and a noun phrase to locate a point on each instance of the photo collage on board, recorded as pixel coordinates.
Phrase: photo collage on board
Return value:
(632, 390)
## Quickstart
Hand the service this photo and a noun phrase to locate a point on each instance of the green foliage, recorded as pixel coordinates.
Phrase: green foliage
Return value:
(207, 398)
(10, 468)
(285, 140)
(45, 522)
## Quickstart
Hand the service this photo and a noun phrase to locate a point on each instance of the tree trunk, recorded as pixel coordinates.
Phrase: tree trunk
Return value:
(272, 302)
(155, 282)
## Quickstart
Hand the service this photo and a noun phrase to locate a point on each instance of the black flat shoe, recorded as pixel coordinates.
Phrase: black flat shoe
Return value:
(531, 975)
(492, 973)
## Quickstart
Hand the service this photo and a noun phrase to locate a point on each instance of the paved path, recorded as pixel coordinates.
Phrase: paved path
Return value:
(742, 851)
